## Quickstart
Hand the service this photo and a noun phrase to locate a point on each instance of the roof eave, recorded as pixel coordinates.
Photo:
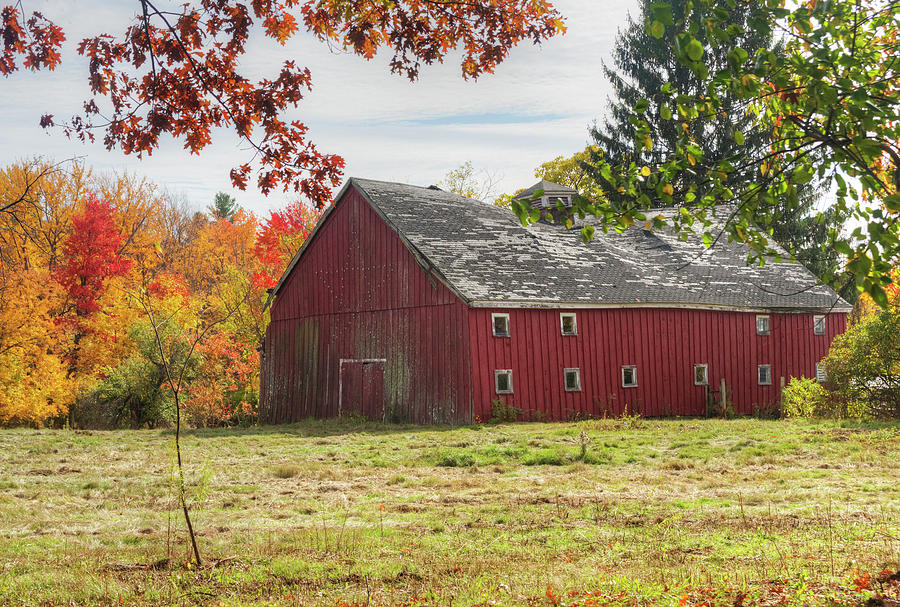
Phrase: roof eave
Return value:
(547, 304)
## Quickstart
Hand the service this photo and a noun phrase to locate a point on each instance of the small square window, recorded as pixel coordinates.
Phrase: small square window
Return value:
(568, 324)
(629, 376)
(819, 324)
(500, 323)
(762, 325)
(573, 380)
(503, 381)
(764, 373)
(701, 375)
(821, 373)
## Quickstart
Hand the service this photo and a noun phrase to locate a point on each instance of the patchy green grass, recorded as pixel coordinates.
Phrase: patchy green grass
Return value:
(669, 512)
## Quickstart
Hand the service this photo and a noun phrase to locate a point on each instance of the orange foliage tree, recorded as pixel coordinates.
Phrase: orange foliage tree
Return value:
(72, 244)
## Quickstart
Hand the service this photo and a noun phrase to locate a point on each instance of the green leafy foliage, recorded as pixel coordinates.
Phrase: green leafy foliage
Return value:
(647, 77)
(864, 366)
(133, 393)
(224, 207)
(828, 101)
(804, 397)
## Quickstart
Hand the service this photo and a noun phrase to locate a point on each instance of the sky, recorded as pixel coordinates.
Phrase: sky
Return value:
(538, 104)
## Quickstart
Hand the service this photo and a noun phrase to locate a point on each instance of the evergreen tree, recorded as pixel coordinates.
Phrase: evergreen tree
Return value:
(224, 207)
(642, 65)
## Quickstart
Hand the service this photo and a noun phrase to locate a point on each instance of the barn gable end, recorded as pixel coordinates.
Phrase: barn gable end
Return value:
(359, 325)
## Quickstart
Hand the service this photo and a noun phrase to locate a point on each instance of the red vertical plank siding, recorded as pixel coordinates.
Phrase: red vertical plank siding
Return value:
(663, 343)
(357, 293)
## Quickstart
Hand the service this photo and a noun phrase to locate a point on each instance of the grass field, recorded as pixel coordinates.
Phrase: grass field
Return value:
(627, 511)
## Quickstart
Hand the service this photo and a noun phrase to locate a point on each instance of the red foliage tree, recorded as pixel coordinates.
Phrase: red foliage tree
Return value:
(91, 255)
(177, 73)
(279, 238)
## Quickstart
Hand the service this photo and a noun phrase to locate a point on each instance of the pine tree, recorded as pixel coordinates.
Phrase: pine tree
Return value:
(224, 207)
(642, 64)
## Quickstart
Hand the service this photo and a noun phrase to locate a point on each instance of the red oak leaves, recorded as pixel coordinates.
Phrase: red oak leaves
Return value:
(178, 73)
(35, 38)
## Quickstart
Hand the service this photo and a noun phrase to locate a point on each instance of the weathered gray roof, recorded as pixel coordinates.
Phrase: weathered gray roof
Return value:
(549, 188)
(486, 256)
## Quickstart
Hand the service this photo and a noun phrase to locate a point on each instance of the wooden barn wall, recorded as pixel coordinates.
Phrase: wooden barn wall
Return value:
(664, 344)
(358, 293)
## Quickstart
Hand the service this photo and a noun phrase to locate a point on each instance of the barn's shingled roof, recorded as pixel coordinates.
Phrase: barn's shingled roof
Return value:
(488, 258)
(485, 254)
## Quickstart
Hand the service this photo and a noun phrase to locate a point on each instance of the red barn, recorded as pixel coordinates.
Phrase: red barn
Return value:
(415, 304)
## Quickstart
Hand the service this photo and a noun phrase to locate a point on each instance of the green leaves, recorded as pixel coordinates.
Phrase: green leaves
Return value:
(694, 50)
(879, 295)
(662, 12)
(660, 17)
(820, 107)
(737, 57)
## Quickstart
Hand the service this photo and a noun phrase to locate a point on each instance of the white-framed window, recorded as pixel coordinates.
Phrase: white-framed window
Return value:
(629, 376)
(503, 381)
(821, 373)
(764, 375)
(762, 324)
(701, 375)
(568, 323)
(819, 324)
(500, 324)
(572, 379)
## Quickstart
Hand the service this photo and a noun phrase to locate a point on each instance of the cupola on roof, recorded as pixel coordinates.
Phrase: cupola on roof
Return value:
(549, 188)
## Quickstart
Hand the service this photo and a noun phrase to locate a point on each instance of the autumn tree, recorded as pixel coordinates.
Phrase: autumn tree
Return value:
(178, 72)
(91, 255)
(34, 381)
(35, 213)
(72, 243)
(468, 181)
(280, 237)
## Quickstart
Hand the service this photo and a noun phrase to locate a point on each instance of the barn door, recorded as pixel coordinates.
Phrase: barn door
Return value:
(362, 388)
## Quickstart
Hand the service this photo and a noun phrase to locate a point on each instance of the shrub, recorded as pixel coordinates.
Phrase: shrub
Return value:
(133, 394)
(503, 412)
(863, 366)
(804, 397)
(224, 389)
